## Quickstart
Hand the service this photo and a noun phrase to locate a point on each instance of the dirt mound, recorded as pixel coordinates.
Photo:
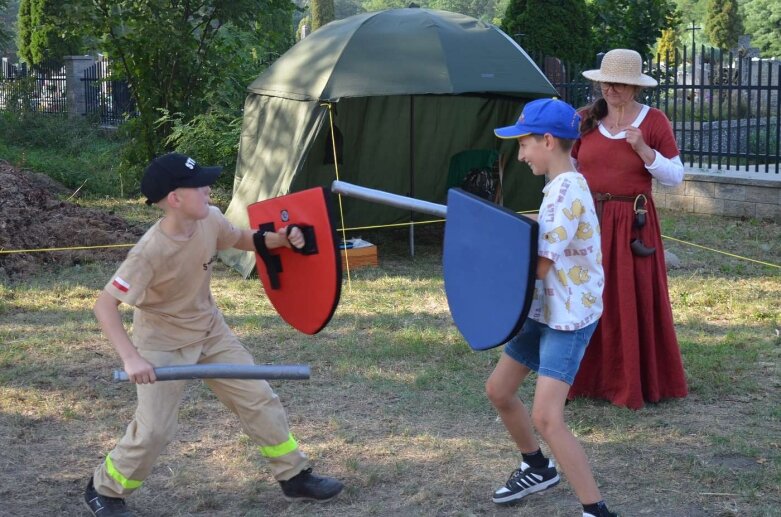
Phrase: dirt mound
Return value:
(33, 217)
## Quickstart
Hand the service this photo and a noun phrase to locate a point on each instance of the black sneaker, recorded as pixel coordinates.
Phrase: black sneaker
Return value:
(526, 480)
(306, 485)
(602, 511)
(103, 506)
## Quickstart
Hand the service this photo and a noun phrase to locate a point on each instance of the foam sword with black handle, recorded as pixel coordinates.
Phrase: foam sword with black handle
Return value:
(489, 261)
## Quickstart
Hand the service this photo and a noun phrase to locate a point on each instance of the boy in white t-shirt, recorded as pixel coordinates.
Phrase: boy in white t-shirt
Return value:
(565, 311)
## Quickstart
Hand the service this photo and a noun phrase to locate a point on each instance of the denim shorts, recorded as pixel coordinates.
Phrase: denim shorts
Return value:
(549, 352)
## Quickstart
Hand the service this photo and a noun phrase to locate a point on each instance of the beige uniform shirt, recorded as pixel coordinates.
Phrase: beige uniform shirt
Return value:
(167, 281)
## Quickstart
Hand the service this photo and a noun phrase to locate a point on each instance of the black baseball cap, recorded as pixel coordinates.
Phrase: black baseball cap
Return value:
(171, 171)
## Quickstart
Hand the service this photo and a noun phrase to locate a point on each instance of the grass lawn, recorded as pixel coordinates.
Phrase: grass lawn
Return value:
(395, 406)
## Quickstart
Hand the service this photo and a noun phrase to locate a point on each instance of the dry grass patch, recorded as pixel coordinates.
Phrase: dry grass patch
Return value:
(395, 405)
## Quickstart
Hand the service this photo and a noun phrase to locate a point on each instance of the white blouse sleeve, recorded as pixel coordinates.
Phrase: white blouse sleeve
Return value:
(669, 171)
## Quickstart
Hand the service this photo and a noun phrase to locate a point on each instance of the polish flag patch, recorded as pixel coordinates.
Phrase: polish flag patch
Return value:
(120, 284)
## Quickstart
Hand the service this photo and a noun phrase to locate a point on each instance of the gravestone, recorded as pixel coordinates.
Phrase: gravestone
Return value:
(744, 53)
(556, 73)
(744, 48)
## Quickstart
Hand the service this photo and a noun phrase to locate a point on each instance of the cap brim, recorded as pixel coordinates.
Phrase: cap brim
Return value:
(206, 177)
(511, 132)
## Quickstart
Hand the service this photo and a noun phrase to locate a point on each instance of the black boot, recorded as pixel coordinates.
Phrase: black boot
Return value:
(306, 485)
(104, 506)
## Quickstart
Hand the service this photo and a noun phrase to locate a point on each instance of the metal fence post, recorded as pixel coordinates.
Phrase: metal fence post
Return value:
(74, 71)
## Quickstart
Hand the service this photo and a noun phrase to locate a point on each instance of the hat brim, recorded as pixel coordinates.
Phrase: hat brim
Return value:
(205, 178)
(597, 76)
(510, 132)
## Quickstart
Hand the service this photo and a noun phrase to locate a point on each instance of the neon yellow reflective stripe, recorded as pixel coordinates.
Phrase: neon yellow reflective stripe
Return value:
(131, 484)
(275, 451)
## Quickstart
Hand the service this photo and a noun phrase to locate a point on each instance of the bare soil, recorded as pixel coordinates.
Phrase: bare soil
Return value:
(34, 215)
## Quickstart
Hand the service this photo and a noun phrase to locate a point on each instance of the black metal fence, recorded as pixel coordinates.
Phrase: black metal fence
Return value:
(43, 89)
(40, 89)
(105, 97)
(725, 108)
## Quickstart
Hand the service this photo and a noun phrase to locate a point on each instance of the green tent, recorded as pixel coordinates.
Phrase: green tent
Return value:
(404, 90)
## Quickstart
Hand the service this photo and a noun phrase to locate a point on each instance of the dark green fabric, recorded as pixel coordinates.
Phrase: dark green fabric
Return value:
(376, 135)
(403, 51)
(275, 137)
(463, 162)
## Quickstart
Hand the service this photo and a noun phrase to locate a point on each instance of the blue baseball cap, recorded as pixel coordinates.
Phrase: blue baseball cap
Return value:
(542, 116)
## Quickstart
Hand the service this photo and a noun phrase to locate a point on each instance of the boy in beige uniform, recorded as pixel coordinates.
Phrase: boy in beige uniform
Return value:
(166, 277)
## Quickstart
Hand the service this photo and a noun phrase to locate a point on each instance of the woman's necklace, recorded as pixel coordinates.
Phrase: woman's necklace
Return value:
(618, 124)
(613, 126)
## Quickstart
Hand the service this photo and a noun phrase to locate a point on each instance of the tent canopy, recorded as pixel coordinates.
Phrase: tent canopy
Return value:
(403, 52)
(404, 90)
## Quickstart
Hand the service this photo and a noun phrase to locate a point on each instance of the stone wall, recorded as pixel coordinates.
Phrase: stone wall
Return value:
(726, 193)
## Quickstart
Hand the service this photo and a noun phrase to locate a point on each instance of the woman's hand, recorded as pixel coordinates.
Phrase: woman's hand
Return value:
(634, 137)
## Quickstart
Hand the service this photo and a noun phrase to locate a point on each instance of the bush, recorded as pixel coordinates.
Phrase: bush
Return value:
(71, 151)
(211, 138)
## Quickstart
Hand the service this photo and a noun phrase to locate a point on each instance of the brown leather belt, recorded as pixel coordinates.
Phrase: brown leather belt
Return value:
(601, 197)
(638, 205)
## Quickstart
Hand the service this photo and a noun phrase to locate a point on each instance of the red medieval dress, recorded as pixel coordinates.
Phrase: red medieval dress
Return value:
(633, 356)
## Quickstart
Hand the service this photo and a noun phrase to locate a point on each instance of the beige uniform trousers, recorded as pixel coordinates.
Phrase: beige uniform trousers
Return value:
(261, 414)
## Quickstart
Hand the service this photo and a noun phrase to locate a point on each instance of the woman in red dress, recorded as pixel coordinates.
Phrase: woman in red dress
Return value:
(633, 356)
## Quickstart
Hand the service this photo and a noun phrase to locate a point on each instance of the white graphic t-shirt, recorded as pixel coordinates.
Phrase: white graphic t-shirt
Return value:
(570, 295)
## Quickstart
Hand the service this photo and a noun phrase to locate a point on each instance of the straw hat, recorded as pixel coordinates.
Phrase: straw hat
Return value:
(621, 66)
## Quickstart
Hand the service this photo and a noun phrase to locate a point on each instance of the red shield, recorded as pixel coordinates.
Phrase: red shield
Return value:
(303, 287)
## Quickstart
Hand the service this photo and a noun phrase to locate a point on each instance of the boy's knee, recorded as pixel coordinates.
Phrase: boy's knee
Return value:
(160, 435)
(498, 396)
(546, 420)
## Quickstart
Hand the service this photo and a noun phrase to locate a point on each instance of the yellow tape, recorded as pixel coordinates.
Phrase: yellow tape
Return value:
(275, 451)
(5, 252)
(130, 484)
(339, 197)
(722, 252)
(380, 226)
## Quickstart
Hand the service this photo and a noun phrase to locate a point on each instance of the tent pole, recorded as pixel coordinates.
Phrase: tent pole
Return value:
(412, 172)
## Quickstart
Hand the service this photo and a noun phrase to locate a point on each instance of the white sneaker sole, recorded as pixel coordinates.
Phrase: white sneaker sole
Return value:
(511, 498)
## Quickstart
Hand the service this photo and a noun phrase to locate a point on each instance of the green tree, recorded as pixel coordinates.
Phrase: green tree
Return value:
(23, 28)
(183, 60)
(633, 24)
(345, 8)
(42, 35)
(723, 23)
(321, 12)
(554, 28)
(763, 23)
(484, 10)
(667, 44)
(379, 5)
(6, 25)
